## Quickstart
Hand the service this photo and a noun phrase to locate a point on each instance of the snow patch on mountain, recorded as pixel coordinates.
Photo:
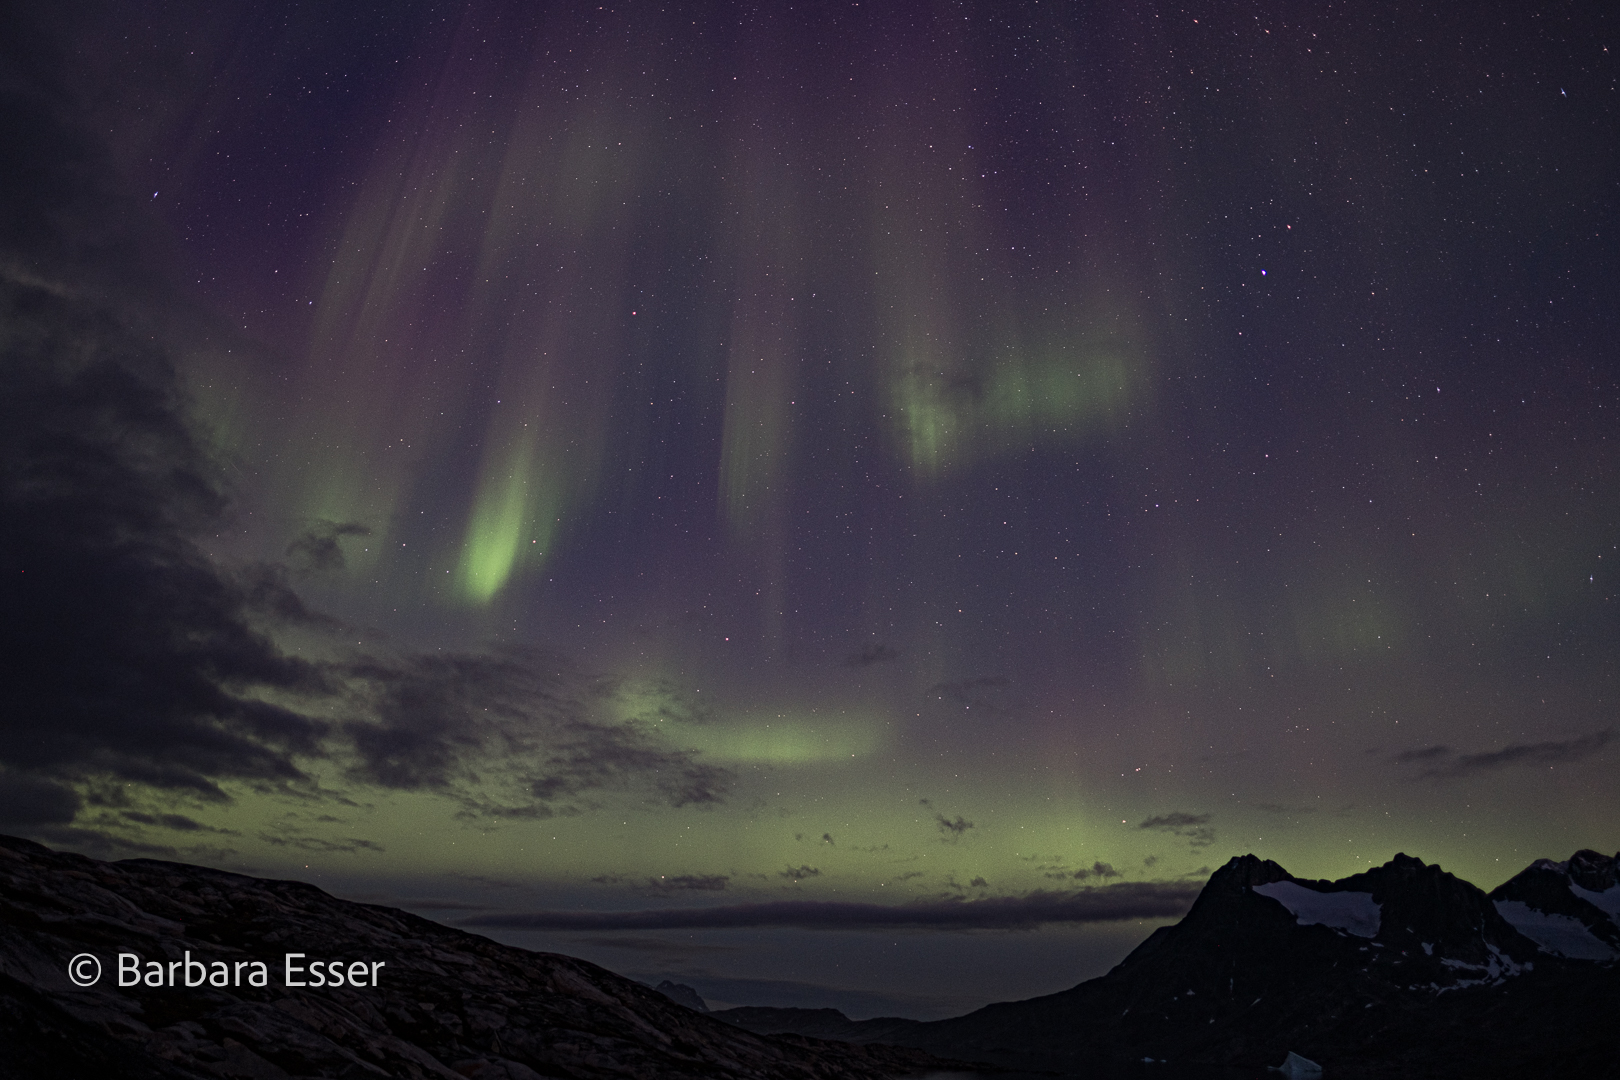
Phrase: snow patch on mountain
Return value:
(1607, 901)
(1563, 935)
(1497, 969)
(1351, 912)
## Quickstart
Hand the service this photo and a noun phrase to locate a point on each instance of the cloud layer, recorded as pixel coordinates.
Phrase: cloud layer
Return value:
(135, 659)
(1193, 828)
(1444, 763)
(143, 673)
(1130, 900)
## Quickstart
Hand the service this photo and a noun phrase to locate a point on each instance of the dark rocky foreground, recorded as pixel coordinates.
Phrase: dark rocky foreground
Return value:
(448, 1004)
(1437, 984)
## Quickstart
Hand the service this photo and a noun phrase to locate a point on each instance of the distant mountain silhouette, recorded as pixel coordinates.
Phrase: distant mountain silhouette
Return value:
(1402, 971)
(446, 1004)
(682, 994)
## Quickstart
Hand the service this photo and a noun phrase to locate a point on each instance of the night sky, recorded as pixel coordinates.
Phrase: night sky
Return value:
(836, 504)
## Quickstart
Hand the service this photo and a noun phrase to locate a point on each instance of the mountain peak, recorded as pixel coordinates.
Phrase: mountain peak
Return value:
(1593, 870)
(1388, 972)
(1246, 871)
(1569, 909)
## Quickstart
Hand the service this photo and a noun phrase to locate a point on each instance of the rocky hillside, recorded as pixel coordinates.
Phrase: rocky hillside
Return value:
(435, 1002)
(1404, 970)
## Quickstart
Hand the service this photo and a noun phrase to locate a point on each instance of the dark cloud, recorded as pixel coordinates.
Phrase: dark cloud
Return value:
(987, 693)
(321, 844)
(667, 883)
(1099, 869)
(484, 881)
(1445, 764)
(1427, 753)
(131, 656)
(510, 733)
(316, 549)
(953, 829)
(799, 873)
(876, 654)
(1280, 808)
(1194, 828)
(27, 801)
(689, 883)
(662, 700)
(1176, 820)
(177, 822)
(135, 659)
(1129, 900)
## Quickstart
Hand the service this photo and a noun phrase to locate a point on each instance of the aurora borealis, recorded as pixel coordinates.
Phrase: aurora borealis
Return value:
(568, 467)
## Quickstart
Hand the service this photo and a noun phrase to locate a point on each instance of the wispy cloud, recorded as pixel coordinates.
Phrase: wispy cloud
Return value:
(511, 733)
(1098, 869)
(321, 844)
(1108, 903)
(1284, 809)
(1444, 763)
(177, 822)
(874, 654)
(1426, 753)
(667, 883)
(318, 549)
(689, 883)
(1194, 828)
(987, 693)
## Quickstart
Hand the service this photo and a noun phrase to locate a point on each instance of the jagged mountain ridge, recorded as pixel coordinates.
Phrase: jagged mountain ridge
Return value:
(1402, 970)
(448, 1005)
(1569, 908)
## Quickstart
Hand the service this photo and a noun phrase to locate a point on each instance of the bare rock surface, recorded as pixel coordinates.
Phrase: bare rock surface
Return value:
(446, 1004)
